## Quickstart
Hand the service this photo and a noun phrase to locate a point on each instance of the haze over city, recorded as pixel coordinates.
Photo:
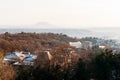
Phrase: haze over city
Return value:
(66, 13)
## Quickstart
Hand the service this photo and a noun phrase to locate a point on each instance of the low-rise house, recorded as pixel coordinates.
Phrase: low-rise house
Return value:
(25, 58)
(20, 58)
(76, 44)
(102, 47)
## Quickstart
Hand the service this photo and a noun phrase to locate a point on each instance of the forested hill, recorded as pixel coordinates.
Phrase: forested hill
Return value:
(32, 41)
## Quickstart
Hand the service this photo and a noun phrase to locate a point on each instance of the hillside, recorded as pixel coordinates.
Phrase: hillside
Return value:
(32, 41)
(64, 64)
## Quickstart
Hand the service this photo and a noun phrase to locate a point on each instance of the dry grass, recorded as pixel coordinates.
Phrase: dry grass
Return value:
(6, 71)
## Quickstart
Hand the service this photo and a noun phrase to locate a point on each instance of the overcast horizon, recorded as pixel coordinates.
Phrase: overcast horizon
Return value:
(67, 13)
(51, 26)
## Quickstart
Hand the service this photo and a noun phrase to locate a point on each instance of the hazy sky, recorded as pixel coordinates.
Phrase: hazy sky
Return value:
(84, 13)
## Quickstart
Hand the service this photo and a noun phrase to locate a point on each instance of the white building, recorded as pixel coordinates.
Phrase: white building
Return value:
(76, 44)
(102, 47)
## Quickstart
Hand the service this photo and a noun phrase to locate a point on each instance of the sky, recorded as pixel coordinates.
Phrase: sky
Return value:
(73, 13)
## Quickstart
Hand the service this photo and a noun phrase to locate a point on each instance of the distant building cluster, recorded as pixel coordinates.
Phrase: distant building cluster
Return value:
(96, 43)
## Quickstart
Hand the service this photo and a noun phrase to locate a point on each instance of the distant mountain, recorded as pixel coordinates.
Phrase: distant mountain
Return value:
(43, 25)
(40, 25)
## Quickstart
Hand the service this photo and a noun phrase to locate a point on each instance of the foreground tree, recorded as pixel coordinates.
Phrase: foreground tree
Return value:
(81, 71)
(106, 66)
